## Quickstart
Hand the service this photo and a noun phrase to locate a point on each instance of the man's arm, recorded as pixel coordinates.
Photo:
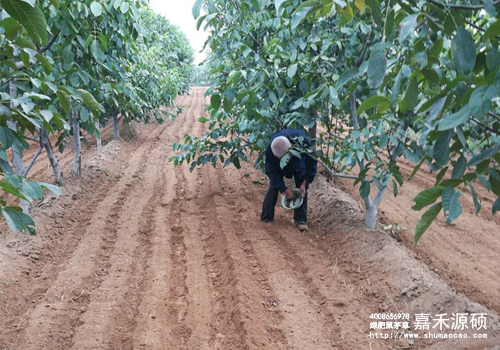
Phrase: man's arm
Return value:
(274, 171)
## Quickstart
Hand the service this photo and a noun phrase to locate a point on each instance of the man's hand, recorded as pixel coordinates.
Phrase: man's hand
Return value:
(303, 188)
(289, 194)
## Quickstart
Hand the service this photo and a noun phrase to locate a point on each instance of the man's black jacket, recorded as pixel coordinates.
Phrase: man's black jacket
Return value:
(304, 168)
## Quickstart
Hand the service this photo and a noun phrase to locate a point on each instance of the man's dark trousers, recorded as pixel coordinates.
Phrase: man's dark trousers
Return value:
(299, 215)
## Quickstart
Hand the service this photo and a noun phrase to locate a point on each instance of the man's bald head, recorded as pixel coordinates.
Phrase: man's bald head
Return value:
(279, 146)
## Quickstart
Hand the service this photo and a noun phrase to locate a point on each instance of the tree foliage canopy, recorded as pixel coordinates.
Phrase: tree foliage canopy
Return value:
(383, 80)
(88, 59)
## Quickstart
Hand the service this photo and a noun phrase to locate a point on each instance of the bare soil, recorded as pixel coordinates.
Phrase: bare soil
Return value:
(139, 254)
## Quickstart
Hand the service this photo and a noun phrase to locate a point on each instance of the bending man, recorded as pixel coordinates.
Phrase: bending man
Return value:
(302, 169)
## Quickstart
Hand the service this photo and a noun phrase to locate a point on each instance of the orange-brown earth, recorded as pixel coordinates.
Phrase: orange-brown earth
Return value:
(139, 254)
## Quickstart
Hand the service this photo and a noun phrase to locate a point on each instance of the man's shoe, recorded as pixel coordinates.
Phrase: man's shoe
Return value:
(302, 227)
(267, 221)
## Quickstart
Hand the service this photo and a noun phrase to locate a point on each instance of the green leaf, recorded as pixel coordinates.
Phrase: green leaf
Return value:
(12, 27)
(496, 206)
(416, 169)
(427, 197)
(396, 89)
(124, 7)
(451, 205)
(377, 66)
(436, 109)
(67, 55)
(299, 15)
(203, 119)
(364, 189)
(31, 17)
(292, 70)
(32, 189)
(490, 8)
(463, 51)
(411, 96)
(346, 77)
(24, 42)
(425, 221)
(97, 52)
(480, 100)
(47, 114)
(52, 188)
(494, 183)
(360, 4)
(64, 100)
(228, 105)
(96, 8)
(488, 153)
(278, 3)
(460, 167)
(493, 59)
(9, 188)
(476, 201)
(284, 161)
(374, 6)
(89, 100)
(456, 119)
(371, 102)
(215, 102)
(348, 13)
(6, 137)
(407, 27)
(17, 220)
(84, 114)
(45, 62)
(492, 31)
(197, 8)
(441, 151)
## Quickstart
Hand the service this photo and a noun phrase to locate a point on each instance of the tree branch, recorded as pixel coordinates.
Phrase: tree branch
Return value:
(49, 43)
(460, 7)
(20, 65)
(362, 57)
(33, 160)
(493, 131)
(330, 171)
(494, 116)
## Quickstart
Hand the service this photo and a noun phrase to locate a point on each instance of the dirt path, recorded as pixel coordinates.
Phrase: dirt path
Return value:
(140, 254)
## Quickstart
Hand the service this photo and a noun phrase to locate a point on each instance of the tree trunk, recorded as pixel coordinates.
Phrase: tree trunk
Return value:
(371, 206)
(116, 132)
(98, 137)
(17, 155)
(313, 129)
(371, 216)
(77, 162)
(52, 157)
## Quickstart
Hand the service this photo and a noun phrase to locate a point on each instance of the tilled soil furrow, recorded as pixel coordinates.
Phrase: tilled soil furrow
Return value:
(54, 319)
(243, 229)
(333, 293)
(150, 331)
(298, 298)
(227, 326)
(178, 297)
(139, 279)
(153, 326)
(46, 273)
(244, 313)
(199, 311)
(110, 317)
